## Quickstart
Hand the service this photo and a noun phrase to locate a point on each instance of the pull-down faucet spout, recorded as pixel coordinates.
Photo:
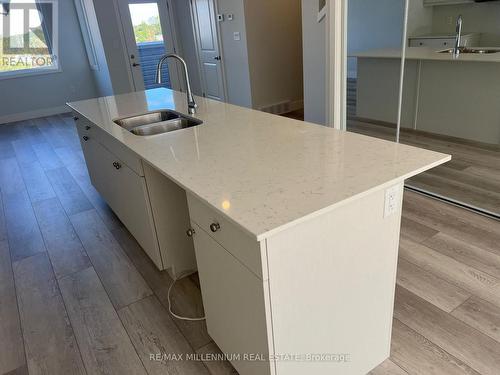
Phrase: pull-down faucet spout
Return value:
(190, 98)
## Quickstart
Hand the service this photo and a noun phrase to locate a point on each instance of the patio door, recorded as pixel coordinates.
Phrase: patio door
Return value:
(148, 31)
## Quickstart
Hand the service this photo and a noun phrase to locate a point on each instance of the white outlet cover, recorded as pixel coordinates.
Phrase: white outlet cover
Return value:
(236, 35)
(391, 200)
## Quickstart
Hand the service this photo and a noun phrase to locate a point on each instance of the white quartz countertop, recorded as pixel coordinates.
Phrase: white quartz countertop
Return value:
(263, 172)
(426, 53)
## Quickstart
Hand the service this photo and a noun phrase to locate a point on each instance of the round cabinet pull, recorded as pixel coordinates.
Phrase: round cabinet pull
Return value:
(85, 138)
(214, 227)
(190, 232)
(117, 165)
(76, 118)
(87, 127)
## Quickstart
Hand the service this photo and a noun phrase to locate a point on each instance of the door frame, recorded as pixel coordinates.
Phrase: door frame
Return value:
(168, 27)
(197, 48)
(336, 64)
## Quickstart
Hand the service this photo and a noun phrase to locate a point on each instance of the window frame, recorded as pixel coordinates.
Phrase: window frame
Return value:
(28, 72)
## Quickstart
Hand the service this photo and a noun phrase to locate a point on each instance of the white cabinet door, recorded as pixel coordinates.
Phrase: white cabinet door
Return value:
(235, 305)
(126, 194)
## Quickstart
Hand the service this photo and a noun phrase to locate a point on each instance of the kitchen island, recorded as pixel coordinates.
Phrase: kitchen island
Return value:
(437, 91)
(295, 226)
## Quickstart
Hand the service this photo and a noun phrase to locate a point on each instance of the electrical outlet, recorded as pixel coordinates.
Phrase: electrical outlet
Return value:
(391, 200)
(236, 35)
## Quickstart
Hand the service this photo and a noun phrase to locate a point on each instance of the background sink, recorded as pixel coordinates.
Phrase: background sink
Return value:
(472, 50)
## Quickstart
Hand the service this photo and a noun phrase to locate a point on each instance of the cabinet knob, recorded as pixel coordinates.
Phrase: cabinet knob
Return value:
(76, 118)
(87, 127)
(85, 138)
(117, 165)
(190, 232)
(214, 227)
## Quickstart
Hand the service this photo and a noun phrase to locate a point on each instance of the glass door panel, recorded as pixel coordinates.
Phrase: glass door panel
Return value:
(374, 50)
(451, 104)
(148, 36)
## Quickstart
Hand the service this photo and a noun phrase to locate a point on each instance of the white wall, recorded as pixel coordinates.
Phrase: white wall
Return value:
(235, 53)
(185, 35)
(480, 17)
(419, 18)
(42, 92)
(314, 62)
(274, 40)
(372, 25)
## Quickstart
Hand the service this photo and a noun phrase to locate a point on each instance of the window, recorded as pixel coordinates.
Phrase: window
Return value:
(28, 33)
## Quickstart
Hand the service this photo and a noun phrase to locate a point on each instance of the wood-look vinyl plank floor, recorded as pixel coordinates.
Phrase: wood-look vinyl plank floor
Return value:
(11, 340)
(153, 332)
(104, 344)
(50, 344)
(93, 272)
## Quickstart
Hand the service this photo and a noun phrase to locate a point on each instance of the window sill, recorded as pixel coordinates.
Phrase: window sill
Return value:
(28, 72)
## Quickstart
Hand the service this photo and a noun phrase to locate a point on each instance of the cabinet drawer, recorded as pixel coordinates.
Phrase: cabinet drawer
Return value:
(88, 129)
(235, 304)
(83, 126)
(432, 42)
(126, 194)
(229, 235)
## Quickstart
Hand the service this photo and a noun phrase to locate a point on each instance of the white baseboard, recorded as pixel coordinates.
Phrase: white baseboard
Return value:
(296, 105)
(283, 107)
(28, 115)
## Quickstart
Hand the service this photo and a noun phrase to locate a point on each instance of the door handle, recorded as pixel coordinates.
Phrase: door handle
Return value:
(136, 64)
(217, 58)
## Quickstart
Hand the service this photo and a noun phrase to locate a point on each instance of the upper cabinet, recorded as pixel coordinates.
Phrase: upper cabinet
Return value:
(446, 2)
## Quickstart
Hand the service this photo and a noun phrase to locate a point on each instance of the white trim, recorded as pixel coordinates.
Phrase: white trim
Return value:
(322, 14)
(123, 41)
(175, 76)
(336, 67)
(28, 115)
(292, 105)
(83, 11)
(197, 51)
(402, 72)
(29, 72)
(221, 52)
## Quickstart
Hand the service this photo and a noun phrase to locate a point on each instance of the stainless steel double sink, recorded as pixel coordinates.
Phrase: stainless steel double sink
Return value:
(157, 122)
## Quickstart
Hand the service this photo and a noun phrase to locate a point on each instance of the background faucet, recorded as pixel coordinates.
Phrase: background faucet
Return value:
(190, 99)
(458, 38)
